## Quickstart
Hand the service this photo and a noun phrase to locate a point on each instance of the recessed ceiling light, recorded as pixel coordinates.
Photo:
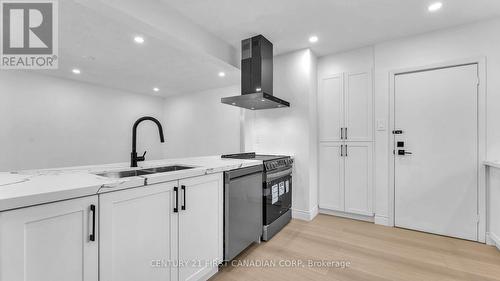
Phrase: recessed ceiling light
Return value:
(222, 74)
(434, 7)
(155, 89)
(233, 103)
(252, 108)
(76, 71)
(262, 100)
(139, 39)
(313, 39)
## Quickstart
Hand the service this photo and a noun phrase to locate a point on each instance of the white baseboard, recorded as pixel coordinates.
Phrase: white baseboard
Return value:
(346, 215)
(209, 274)
(493, 240)
(382, 220)
(305, 215)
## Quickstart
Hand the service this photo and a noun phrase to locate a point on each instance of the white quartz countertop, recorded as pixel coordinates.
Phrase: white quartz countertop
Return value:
(31, 187)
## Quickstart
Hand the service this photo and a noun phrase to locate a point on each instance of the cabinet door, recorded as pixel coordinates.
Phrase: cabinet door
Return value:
(200, 226)
(359, 178)
(331, 108)
(359, 106)
(331, 176)
(138, 234)
(49, 242)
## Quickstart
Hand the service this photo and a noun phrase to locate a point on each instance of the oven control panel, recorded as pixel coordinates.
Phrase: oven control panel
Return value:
(278, 164)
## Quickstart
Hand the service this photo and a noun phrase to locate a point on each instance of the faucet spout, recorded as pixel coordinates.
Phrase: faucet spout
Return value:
(134, 158)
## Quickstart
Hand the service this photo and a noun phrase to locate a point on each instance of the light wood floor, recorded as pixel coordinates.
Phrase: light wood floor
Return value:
(376, 253)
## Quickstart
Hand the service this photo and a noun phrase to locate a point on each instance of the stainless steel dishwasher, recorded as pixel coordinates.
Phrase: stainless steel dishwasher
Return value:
(242, 209)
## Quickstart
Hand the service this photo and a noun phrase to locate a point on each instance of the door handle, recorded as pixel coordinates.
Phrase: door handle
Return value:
(176, 208)
(404, 152)
(92, 234)
(183, 207)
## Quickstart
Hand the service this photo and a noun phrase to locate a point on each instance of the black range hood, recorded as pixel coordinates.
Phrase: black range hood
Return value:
(256, 76)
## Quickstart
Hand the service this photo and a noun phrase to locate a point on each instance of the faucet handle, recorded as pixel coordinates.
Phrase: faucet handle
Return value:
(143, 157)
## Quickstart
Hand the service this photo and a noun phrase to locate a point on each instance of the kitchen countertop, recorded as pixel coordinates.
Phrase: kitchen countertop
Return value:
(31, 187)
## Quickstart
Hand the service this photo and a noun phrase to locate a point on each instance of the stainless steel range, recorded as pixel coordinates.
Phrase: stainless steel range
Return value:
(277, 191)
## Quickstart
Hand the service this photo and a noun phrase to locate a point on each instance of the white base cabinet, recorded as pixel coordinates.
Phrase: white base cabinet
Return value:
(358, 182)
(50, 242)
(346, 177)
(200, 226)
(138, 234)
(166, 231)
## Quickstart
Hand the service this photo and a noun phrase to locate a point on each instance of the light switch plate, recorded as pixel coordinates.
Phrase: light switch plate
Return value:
(381, 125)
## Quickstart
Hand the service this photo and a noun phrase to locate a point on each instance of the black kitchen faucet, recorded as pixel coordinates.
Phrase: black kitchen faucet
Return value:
(133, 157)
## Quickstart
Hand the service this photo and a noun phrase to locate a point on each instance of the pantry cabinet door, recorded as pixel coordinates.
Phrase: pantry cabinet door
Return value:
(50, 242)
(331, 108)
(200, 226)
(359, 106)
(359, 178)
(331, 176)
(138, 234)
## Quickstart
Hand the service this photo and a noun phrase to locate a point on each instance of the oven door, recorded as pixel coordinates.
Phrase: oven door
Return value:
(277, 194)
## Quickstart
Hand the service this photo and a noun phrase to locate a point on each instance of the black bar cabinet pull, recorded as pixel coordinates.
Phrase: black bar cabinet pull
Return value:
(176, 208)
(345, 135)
(92, 235)
(341, 133)
(346, 150)
(183, 207)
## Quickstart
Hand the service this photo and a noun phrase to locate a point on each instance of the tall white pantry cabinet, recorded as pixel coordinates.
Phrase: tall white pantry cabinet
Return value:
(346, 138)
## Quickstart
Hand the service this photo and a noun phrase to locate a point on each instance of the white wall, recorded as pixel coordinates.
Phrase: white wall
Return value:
(49, 122)
(291, 131)
(475, 40)
(199, 124)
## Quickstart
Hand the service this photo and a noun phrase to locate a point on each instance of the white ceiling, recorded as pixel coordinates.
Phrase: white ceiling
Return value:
(188, 42)
(339, 24)
(102, 47)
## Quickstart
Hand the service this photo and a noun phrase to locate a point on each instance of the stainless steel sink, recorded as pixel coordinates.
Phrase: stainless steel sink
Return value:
(124, 174)
(166, 169)
(148, 171)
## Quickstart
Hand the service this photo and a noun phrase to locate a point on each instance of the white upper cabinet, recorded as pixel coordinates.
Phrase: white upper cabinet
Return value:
(331, 108)
(50, 242)
(345, 107)
(358, 103)
(138, 229)
(200, 226)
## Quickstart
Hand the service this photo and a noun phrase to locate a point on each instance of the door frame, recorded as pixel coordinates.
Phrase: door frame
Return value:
(482, 149)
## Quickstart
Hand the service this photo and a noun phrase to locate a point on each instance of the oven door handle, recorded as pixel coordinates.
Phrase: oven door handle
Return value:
(273, 176)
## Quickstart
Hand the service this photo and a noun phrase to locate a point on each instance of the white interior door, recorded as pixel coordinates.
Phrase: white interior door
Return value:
(331, 108)
(436, 186)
